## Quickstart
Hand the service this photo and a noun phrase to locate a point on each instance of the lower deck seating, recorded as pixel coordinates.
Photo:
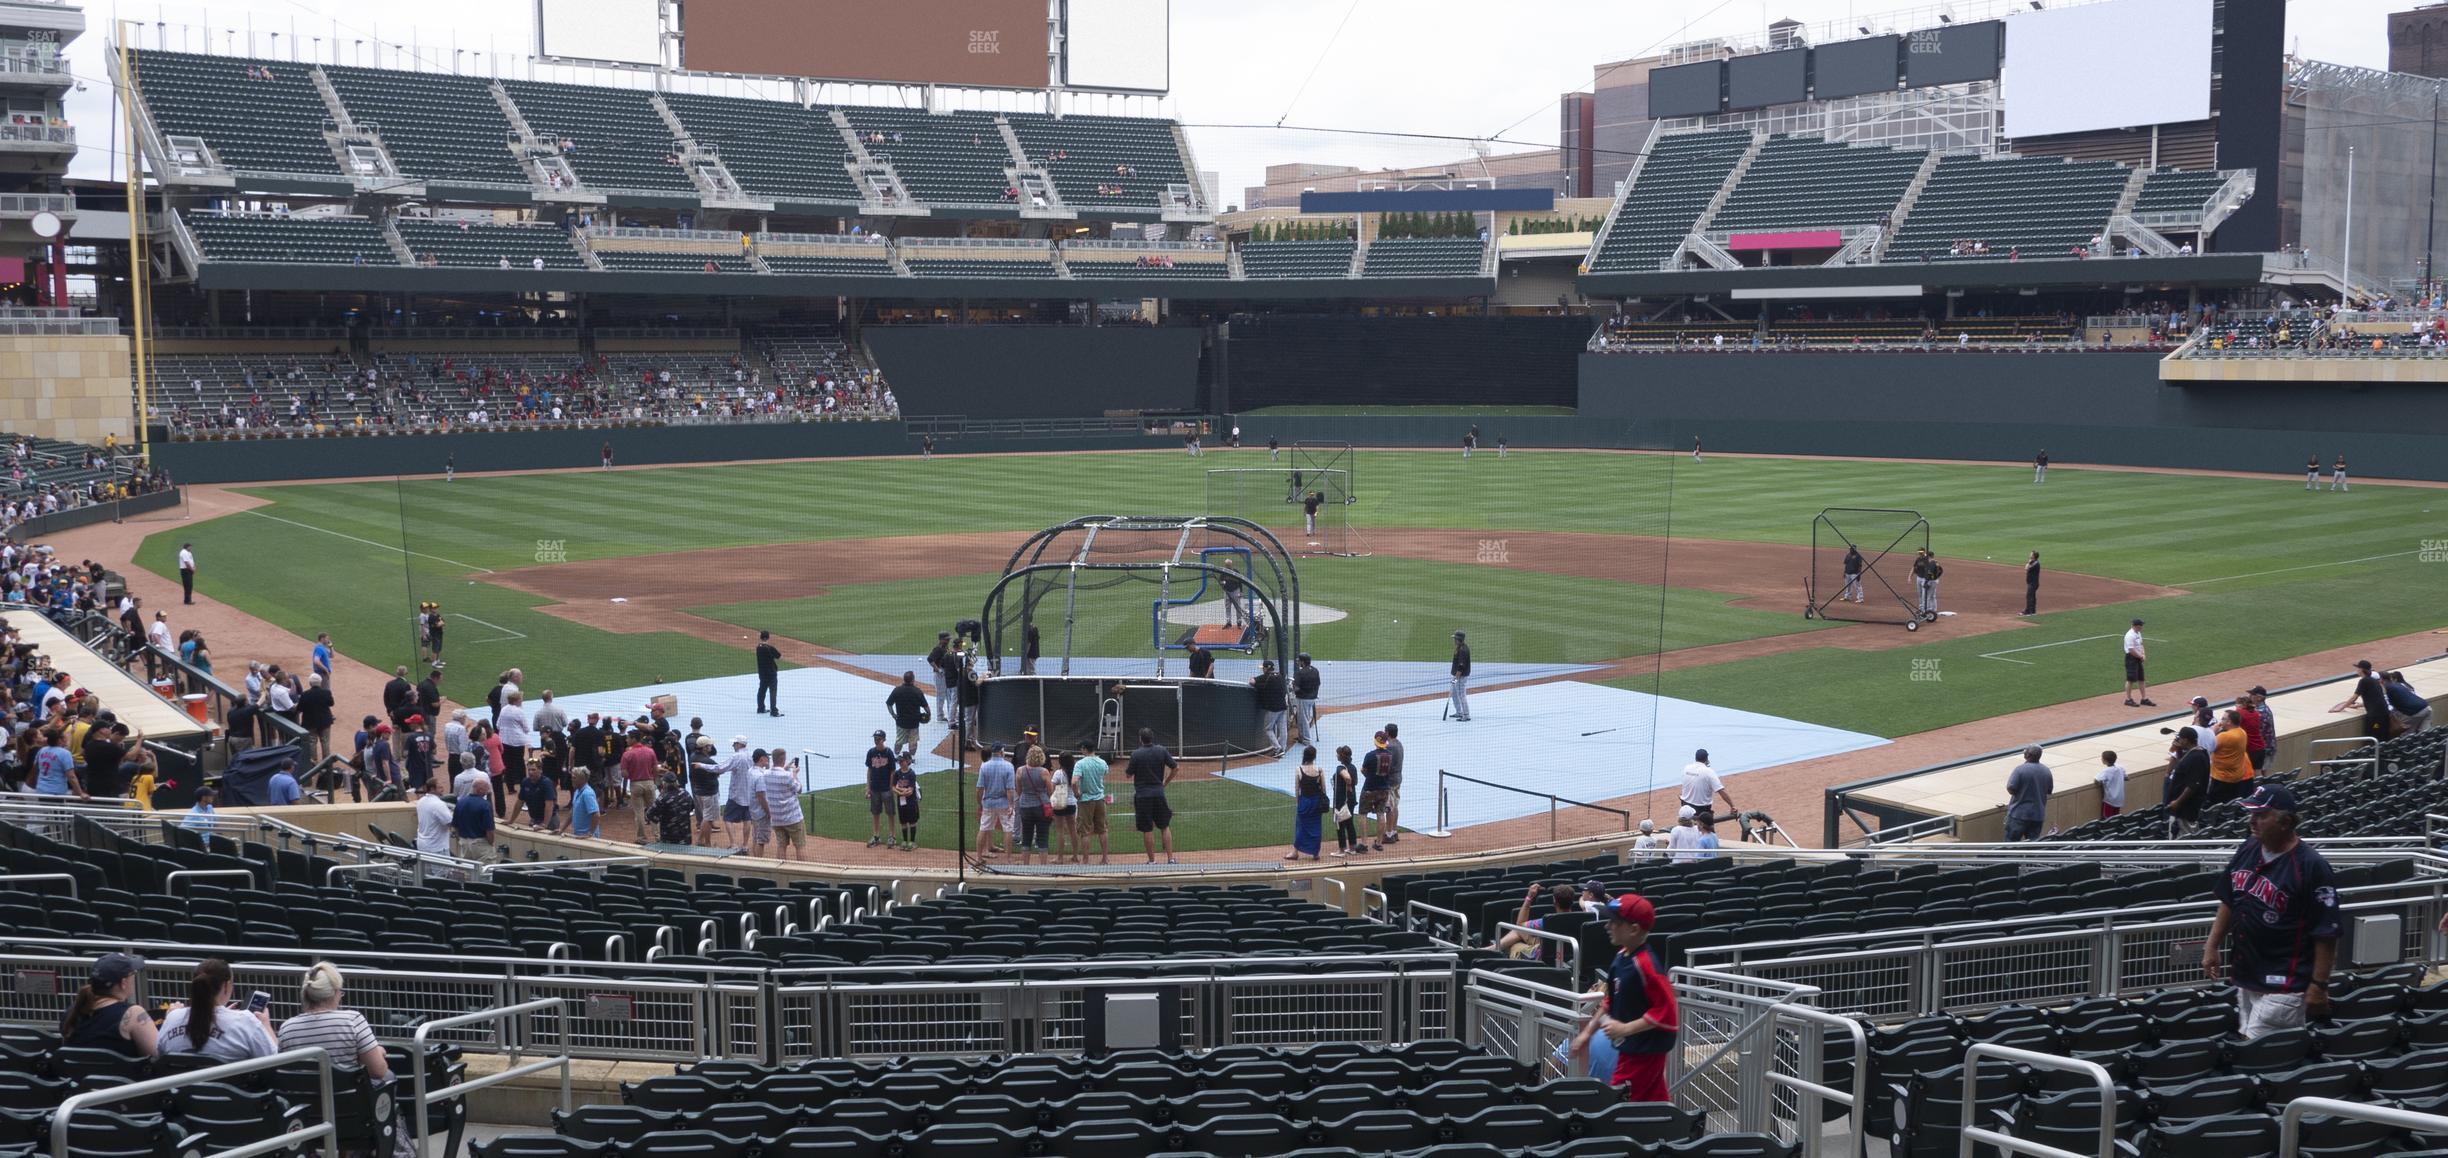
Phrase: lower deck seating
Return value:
(1326, 1099)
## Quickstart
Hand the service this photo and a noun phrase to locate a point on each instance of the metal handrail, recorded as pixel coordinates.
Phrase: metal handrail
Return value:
(416, 1058)
(2012, 1145)
(2345, 744)
(2290, 1123)
(1570, 946)
(1553, 800)
(170, 881)
(1856, 1103)
(605, 862)
(2143, 915)
(1461, 923)
(14, 878)
(326, 1132)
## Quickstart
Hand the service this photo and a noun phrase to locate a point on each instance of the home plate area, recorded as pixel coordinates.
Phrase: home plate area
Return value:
(1579, 741)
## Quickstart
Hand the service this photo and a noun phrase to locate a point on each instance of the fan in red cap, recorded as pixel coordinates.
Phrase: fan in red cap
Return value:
(1638, 1013)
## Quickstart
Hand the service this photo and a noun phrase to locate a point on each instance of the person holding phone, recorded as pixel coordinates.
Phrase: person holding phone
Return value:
(210, 1023)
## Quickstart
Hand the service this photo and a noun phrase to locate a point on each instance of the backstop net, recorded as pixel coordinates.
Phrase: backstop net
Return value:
(1862, 566)
(1308, 509)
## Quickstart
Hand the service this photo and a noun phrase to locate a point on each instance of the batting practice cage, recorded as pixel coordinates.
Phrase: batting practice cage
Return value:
(1887, 540)
(1308, 508)
(1089, 631)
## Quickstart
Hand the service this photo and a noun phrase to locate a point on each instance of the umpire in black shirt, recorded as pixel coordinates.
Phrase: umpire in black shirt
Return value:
(769, 675)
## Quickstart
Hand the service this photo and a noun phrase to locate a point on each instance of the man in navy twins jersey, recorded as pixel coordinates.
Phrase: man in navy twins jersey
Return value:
(2278, 898)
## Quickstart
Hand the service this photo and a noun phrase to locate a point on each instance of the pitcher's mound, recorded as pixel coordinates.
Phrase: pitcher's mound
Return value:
(1211, 614)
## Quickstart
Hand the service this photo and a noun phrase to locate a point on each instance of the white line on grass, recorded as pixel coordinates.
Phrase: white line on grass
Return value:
(508, 633)
(2001, 655)
(368, 542)
(2305, 567)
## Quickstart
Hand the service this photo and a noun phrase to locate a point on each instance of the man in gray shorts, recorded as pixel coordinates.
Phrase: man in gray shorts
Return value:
(881, 803)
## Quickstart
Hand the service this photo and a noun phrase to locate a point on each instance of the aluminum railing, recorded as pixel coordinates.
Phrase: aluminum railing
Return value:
(31, 203)
(29, 878)
(1976, 1136)
(1214, 247)
(875, 1012)
(1530, 1022)
(1554, 804)
(38, 134)
(324, 1134)
(628, 1010)
(1032, 243)
(427, 1098)
(1955, 969)
(873, 240)
(2290, 1122)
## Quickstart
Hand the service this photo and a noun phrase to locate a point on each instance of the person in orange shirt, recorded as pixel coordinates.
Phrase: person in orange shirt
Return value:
(2231, 773)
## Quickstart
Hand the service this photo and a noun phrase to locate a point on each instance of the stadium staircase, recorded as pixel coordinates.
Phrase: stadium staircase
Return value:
(1196, 207)
(880, 188)
(1904, 204)
(538, 160)
(1040, 195)
(391, 235)
(776, 150)
(1696, 243)
(704, 164)
(357, 146)
(1680, 180)
(618, 141)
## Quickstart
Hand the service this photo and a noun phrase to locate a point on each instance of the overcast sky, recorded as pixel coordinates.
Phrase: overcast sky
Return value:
(1344, 77)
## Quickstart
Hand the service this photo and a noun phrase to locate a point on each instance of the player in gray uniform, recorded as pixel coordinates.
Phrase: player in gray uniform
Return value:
(1461, 678)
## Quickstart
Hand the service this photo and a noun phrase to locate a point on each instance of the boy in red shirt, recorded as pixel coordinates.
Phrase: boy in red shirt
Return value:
(1638, 1013)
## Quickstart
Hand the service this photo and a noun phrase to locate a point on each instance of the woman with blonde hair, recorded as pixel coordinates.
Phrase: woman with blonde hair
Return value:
(321, 1023)
(1032, 804)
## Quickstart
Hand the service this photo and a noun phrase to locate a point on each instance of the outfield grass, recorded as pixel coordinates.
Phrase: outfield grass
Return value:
(1400, 609)
(2261, 556)
(1206, 814)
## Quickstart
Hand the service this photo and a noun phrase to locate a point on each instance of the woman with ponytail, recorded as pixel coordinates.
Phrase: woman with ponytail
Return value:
(210, 1025)
(106, 1015)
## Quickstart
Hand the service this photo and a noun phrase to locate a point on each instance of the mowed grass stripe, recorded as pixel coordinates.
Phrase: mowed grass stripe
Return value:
(2156, 528)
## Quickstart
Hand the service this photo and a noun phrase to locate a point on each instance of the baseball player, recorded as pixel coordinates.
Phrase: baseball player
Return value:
(1461, 678)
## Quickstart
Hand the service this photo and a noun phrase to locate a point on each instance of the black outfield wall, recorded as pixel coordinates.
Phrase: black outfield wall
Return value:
(1037, 371)
(1356, 361)
(268, 460)
(2096, 408)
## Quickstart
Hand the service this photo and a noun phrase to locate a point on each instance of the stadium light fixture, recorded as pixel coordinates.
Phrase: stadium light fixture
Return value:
(1865, 30)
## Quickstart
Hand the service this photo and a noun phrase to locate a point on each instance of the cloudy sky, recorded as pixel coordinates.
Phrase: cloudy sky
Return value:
(1363, 82)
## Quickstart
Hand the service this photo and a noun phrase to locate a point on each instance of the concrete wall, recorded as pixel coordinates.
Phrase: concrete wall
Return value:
(73, 387)
(2085, 408)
